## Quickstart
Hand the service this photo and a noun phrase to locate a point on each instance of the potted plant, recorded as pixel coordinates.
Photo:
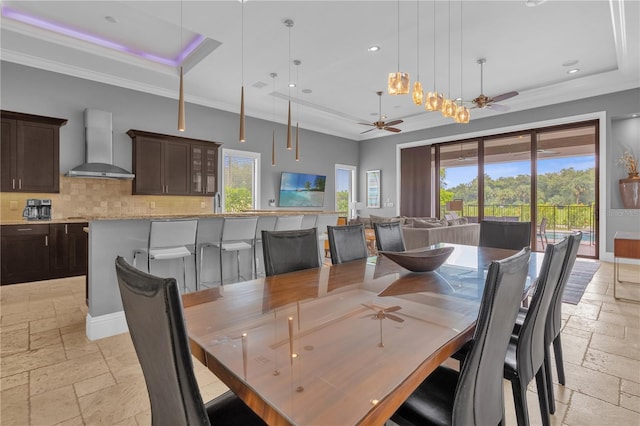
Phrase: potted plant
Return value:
(630, 162)
(630, 186)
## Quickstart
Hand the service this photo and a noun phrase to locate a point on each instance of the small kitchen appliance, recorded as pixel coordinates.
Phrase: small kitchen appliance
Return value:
(37, 209)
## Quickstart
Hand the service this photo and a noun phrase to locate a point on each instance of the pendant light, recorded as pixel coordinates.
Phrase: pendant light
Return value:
(418, 94)
(449, 106)
(289, 24)
(297, 63)
(241, 137)
(181, 114)
(462, 114)
(398, 83)
(273, 119)
(434, 100)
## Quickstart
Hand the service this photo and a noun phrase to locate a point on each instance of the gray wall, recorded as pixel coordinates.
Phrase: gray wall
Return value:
(381, 153)
(35, 91)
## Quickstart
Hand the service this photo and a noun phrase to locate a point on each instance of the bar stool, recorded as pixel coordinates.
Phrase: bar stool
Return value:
(265, 223)
(322, 221)
(238, 234)
(170, 239)
(288, 223)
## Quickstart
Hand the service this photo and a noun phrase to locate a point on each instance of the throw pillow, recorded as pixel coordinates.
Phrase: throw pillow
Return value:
(419, 223)
(458, 221)
(383, 219)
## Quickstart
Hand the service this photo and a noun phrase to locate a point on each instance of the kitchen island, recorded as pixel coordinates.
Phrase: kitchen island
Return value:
(110, 237)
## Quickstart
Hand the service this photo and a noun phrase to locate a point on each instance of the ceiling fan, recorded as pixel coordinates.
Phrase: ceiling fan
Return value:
(381, 125)
(483, 101)
(463, 158)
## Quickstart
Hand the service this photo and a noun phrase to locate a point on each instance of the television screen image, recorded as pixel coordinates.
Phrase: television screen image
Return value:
(301, 190)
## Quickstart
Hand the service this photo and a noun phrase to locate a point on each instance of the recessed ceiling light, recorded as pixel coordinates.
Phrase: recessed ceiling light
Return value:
(570, 63)
(573, 70)
(635, 115)
(292, 85)
(111, 19)
(307, 91)
(373, 48)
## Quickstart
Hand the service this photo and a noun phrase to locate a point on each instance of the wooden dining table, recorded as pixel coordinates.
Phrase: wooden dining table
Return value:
(343, 344)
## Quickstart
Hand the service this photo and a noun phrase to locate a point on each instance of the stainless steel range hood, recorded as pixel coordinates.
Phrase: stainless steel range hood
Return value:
(98, 149)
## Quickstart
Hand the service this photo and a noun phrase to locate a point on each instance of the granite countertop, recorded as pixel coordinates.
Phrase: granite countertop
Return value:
(44, 222)
(78, 219)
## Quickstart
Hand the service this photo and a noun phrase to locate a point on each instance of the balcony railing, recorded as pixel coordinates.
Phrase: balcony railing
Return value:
(561, 219)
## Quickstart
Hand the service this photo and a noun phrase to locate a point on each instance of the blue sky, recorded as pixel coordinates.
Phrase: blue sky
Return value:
(458, 175)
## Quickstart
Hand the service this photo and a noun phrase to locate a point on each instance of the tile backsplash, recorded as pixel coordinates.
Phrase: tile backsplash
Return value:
(103, 197)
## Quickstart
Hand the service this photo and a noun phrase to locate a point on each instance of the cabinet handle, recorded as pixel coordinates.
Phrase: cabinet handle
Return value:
(46, 241)
(13, 183)
(66, 229)
(25, 229)
(166, 191)
(19, 183)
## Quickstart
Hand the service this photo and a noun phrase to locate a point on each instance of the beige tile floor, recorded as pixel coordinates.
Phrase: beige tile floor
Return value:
(52, 375)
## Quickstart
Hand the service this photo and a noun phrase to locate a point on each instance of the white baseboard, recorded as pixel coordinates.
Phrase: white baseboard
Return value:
(106, 325)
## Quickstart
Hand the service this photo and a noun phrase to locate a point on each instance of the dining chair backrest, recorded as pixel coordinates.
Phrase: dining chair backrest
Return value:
(239, 229)
(347, 243)
(288, 223)
(505, 234)
(554, 321)
(288, 251)
(479, 396)
(172, 233)
(531, 336)
(154, 315)
(389, 236)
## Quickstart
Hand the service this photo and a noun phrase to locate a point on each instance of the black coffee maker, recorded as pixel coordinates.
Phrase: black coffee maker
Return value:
(37, 209)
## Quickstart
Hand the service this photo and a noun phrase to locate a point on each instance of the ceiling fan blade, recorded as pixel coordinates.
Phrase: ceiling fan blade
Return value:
(392, 129)
(504, 96)
(392, 308)
(367, 131)
(498, 107)
(394, 318)
(367, 124)
(393, 123)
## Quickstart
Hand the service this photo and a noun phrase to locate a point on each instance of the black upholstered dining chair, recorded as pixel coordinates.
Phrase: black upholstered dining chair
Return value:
(347, 243)
(526, 352)
(288, 251)
(153, 310)
(389, 236)
(475, 395)
(505, 235)
(554, 319)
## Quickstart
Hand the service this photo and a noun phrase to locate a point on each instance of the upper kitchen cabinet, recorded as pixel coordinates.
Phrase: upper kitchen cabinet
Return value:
(30, 153)
(171, 165)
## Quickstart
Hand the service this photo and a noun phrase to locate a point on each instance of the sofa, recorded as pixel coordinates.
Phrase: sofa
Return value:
(425, 231)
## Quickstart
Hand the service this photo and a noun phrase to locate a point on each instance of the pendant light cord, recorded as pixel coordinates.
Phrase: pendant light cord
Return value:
(434, 46)
(461, 58)
(449, 51)
(418, 35)
(398, 35)
(242, 43)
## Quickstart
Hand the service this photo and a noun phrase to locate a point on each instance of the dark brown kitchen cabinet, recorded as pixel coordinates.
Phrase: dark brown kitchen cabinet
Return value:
(172, 165)
(30, 149)
(34, 252)
(25, 253)
(69, 252)
(204, 169)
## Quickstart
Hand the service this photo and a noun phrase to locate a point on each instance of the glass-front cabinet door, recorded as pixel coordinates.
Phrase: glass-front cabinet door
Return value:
(204, 164)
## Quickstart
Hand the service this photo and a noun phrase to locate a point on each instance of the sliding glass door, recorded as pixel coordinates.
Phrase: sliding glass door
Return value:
(567, 188)
(546, 176)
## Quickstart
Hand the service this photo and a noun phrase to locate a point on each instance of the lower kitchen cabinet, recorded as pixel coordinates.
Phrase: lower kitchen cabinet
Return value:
(41, 252)
(68, 243)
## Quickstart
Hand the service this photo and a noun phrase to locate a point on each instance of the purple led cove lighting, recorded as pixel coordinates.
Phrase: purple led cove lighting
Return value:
(60, 29)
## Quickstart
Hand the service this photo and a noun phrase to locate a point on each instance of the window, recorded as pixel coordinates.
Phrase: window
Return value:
(346, 190)
(240, 182)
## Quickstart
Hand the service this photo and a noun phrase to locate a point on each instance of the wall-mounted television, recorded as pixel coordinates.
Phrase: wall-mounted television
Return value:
(301, 190)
